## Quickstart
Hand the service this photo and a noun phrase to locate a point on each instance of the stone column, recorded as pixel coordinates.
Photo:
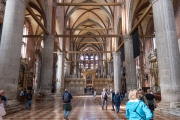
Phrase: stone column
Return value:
(47, 65)
(117, 73)
(167, 52)
(129, 63)
(60, 74)
(109, 67)
(68, 68)
(10, 50)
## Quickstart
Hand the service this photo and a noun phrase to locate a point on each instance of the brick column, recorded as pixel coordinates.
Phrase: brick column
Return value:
(10, 50)
(130, 63)
(47, 65)
(167, 52)
(117, 71)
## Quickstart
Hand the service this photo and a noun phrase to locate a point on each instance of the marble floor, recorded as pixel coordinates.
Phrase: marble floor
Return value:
(84, 108)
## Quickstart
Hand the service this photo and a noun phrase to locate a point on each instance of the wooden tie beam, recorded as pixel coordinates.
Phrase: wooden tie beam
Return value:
(31, 12)
(88, 60)
(88, 36)
(88, 28)
(88, 42)
(89, 4)
(72, 52)
(77, 36)
(142, 18)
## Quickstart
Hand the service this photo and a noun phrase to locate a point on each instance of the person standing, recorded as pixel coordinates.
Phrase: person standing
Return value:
(117, 100)
(67, 103)
(2, 110)
(151, 101)
(94, 93)
(137, 109)
(142, 96)
(104, 98)
(3, 98)
(28, 98)
(112, 98)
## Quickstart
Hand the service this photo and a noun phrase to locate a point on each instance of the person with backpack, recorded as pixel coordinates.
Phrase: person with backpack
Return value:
(104, 98)
(117, 100)
(151, 101)
(137, 109)
(67, 103)
(28, 98)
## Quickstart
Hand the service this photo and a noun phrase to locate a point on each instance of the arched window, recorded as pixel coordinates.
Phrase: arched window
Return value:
(154, 43)
(42, 44)
(24, 42)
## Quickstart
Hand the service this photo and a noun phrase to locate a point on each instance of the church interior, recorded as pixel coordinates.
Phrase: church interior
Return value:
(47, 46)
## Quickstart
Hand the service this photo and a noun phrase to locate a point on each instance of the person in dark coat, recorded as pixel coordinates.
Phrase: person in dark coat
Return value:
(117, 101)
(112, 98)
(67, 103)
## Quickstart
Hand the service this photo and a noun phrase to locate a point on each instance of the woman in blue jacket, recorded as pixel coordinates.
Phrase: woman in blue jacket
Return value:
(136, 109)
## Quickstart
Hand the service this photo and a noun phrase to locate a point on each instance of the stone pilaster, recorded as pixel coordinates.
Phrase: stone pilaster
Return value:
(68, 68)
(60, 74)
(47, 65)
(129, 63)
(167, 52)
(10, 50)
(117, 73)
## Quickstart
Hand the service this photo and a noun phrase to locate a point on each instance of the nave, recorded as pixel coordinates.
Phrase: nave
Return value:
(84, 108)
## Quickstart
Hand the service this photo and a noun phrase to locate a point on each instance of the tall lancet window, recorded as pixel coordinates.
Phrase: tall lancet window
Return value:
(24, 42)
(154, 43)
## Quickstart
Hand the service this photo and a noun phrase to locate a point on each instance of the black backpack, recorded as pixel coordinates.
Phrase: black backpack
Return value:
(105, 95)
(29, 96)
(66, 97)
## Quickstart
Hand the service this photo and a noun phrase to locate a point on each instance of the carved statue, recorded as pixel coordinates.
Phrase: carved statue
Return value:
(153, 70)
(138, 76)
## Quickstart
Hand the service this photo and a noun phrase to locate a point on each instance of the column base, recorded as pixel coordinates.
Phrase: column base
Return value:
(47, 95)
(172, 108)
(58, 94)
(12, 103)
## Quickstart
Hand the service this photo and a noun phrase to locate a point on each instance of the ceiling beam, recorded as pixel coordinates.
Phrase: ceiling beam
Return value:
(88, 28)
(72, 52)
(88, 36)
(89, 4)
(88, 60)
(120, 46)
(88, 42)
(31, 12)
(141, 19)
(141, 36)
(79, 36)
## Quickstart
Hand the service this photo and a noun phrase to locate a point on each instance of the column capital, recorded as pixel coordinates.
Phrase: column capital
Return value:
(123, 4)
(127, 37)
(24, 1)
(116, 53)
(152, 1)
(54, 4)
(60, 53)
(109, 61)
(52, 37)
(68, 62)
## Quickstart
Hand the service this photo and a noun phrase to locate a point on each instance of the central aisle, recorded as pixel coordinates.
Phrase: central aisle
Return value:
(84, 108)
